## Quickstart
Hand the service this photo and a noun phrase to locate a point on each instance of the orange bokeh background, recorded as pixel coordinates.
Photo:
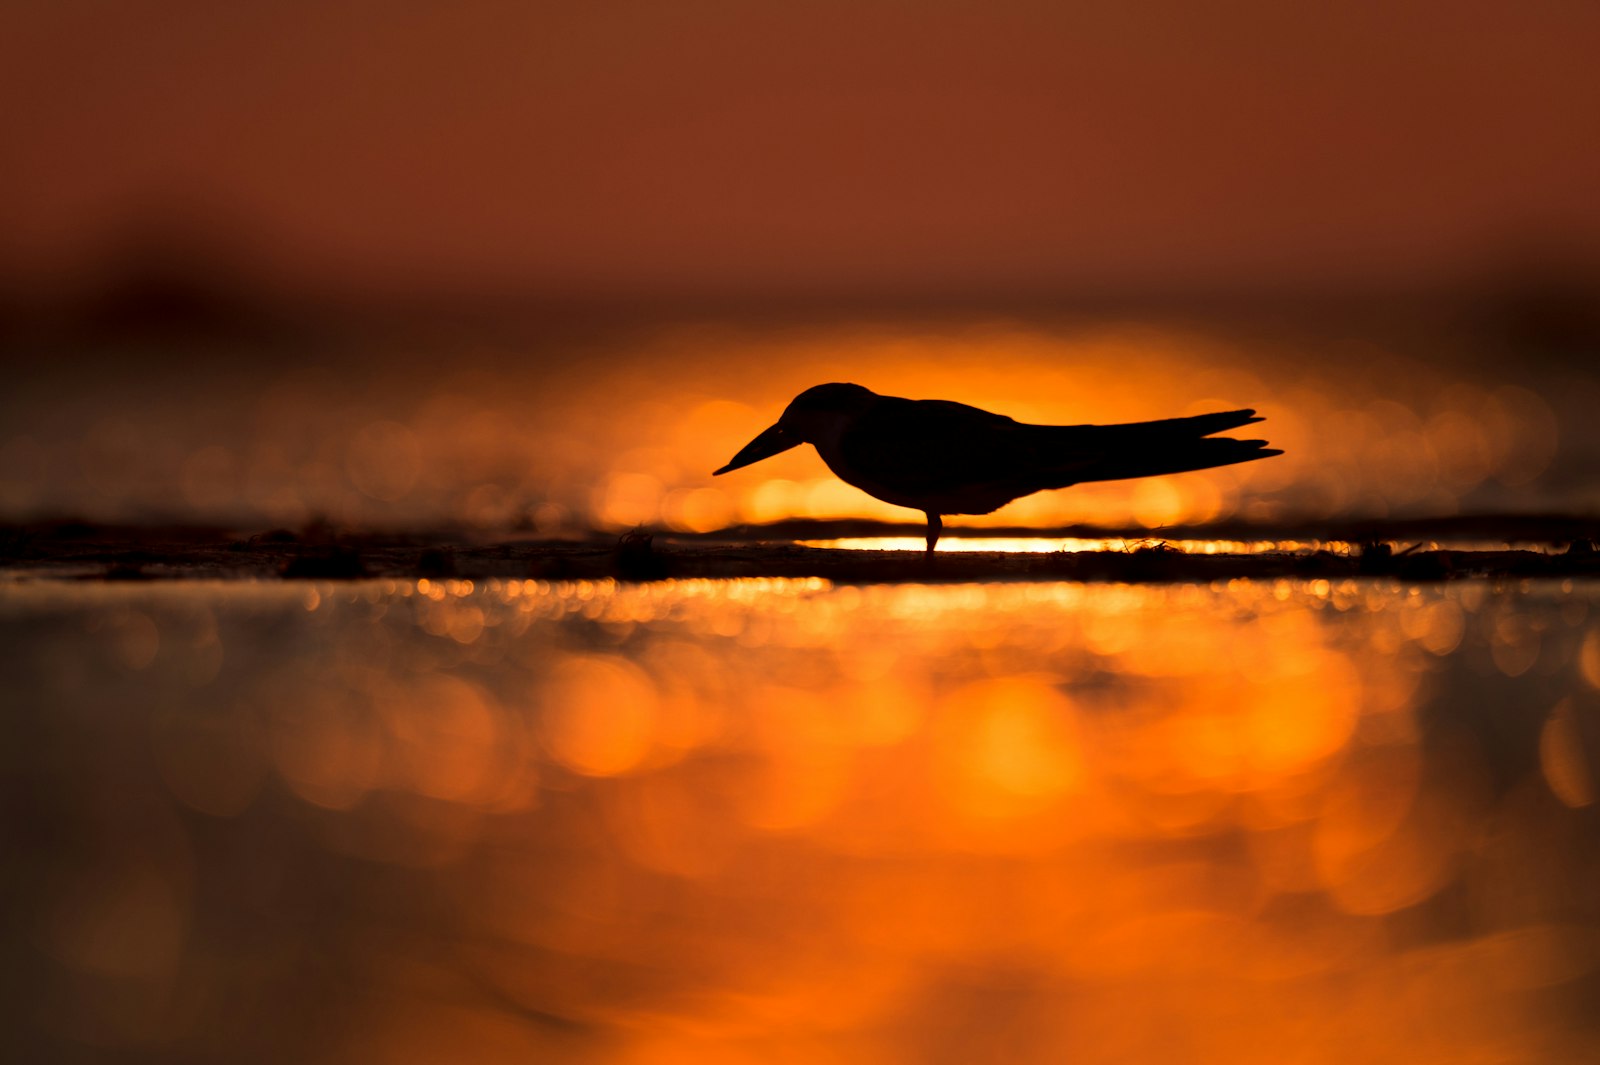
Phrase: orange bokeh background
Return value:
(623, 427)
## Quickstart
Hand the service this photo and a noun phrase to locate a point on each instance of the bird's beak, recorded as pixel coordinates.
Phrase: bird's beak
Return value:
(772, 442)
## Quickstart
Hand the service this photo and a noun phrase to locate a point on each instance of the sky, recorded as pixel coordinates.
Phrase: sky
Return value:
(830, 149)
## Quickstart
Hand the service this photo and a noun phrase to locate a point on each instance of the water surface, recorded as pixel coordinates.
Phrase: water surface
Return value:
(767, 820)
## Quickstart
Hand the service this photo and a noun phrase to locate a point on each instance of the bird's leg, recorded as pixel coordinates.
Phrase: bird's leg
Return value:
(935, 527)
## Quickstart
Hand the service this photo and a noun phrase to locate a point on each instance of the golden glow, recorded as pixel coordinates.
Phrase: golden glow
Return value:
(777, 819)
(569, 450)
(1012, 746)
(1589, 659)
(599, 715)
(1348, 449)
(1042, 545)
(1566, 767)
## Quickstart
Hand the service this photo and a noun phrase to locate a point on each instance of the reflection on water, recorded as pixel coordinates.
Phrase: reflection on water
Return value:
(1074, 544)
(1044, 545)
(765, 820)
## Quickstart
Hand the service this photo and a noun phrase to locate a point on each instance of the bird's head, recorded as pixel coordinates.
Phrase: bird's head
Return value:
(819, 414)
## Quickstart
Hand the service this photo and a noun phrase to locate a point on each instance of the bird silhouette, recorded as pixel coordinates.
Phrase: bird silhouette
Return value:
(942, 457)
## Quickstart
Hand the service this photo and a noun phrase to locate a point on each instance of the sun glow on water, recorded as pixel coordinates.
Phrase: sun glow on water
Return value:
(1043, 545)
(786, 810)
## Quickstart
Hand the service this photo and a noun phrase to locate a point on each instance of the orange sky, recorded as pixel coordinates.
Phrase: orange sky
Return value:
(835, 148)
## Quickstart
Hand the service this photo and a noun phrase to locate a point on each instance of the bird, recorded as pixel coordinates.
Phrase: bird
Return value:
(942, 457)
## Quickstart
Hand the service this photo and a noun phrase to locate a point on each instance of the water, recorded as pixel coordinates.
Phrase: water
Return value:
(1044, 545)
(765, 820)
(755, 821)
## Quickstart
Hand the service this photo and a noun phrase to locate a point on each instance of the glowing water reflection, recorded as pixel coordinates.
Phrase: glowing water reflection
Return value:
(779, 820)
(1044, 545)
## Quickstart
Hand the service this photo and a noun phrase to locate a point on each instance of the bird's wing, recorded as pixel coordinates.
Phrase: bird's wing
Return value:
(935, 448)
(954, 459)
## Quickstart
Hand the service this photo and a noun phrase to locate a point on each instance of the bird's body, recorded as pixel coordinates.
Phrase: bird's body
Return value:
(942, 457)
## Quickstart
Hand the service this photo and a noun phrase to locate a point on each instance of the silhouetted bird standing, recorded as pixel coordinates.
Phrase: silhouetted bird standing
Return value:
(943, 458)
